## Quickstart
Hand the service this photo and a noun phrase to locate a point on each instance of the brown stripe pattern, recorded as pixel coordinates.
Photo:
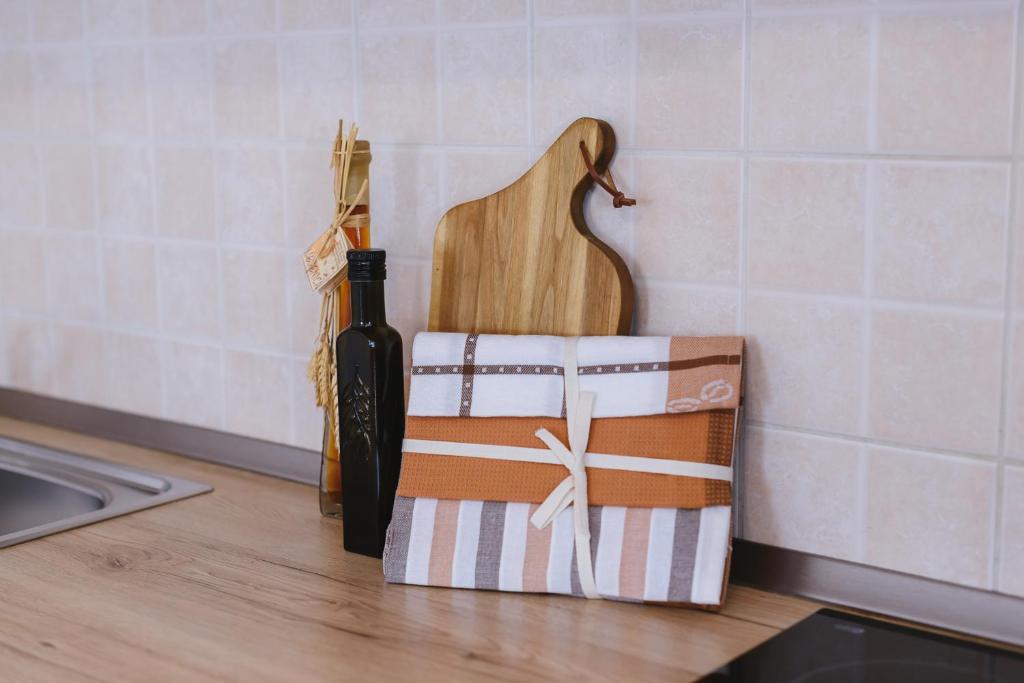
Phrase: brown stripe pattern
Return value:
(446, 518)
(683, 549)
(693, 381)
(488, 553)
(468, 354)
(633, 564)
(396, 547)
(487, 369)
(609, 369)
(535, 563)
(653, 562)
(595, 539)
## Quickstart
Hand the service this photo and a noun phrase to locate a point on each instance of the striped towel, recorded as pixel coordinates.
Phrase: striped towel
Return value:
(521, 376)
(465, 521)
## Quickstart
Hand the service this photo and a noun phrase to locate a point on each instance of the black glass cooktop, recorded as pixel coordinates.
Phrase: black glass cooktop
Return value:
(833, 647)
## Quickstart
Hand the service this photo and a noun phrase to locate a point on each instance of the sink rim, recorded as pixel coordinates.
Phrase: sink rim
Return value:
(124, 489)
(32, 454)
(71, 481)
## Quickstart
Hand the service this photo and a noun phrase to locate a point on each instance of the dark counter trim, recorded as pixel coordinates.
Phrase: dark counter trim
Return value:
(982, 613)
(286, 462)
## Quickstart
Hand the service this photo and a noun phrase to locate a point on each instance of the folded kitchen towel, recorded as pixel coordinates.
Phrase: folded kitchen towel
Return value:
(486, 500)
(511, 376)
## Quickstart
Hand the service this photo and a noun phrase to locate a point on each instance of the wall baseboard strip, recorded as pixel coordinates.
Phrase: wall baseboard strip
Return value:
(981, 613)
(265, 457)
(995, 616)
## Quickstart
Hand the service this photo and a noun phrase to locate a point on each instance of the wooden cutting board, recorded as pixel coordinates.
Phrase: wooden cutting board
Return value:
(523, 261)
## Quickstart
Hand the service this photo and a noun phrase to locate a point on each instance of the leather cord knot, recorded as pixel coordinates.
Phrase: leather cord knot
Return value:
(619, 198)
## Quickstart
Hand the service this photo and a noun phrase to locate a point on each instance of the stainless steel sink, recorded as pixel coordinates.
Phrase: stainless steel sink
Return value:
(43, 491)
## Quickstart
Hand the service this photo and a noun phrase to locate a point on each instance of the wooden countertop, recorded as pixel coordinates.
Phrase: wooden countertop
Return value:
(251, 583)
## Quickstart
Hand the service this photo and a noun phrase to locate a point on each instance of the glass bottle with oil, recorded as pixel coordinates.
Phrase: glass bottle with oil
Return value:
(371, 406)
(357, 229)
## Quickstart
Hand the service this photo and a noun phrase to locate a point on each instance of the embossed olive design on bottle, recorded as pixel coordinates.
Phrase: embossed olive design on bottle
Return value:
(357, 411)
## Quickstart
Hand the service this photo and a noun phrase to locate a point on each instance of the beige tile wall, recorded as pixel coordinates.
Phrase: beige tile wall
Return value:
(838, 180)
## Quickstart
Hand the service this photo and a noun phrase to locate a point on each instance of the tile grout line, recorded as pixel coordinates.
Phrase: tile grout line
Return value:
(101, 233)
(1006, 360)
(913, 7)
(439, 51)
(441, 158)
(211, 94)
(283, 228)
(872, 441)
(170, 338)
(867, 288)
(879, 303)
(742, 255)
(49, 327)
(355, 52)
(530, 38)
(32, 30)
(867, 311)
(634, 72)
(162, 369)
(873, 70)
(742, 276)
(641, 18)
(299, 143)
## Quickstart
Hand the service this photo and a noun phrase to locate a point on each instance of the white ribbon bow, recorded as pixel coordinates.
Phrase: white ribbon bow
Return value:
(579, 407)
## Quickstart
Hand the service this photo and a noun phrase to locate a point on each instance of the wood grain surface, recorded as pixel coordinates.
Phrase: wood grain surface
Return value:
(250, 583)
(523, 261)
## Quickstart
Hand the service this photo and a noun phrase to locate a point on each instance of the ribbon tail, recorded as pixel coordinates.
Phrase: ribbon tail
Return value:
(562, 496)
(581, 519)
(559, 499)
(579, 435)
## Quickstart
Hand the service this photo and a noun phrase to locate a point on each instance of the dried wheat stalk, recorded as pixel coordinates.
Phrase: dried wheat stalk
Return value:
(322, 370)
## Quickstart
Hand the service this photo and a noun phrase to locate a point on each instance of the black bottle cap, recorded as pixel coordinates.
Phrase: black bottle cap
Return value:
(366, 264)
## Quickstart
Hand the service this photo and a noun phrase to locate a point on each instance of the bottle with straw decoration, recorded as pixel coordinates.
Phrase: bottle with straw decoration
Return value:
(326, 267)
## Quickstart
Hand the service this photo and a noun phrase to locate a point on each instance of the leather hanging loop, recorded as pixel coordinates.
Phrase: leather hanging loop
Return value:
(619, 199)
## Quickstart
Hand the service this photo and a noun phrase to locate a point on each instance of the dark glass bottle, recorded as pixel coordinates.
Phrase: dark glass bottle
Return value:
(371, 405)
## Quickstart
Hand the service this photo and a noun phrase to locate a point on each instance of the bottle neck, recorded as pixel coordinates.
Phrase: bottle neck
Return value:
(368, 303)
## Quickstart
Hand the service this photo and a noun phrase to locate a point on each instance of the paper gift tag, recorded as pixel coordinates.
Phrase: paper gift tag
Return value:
(325, 260)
